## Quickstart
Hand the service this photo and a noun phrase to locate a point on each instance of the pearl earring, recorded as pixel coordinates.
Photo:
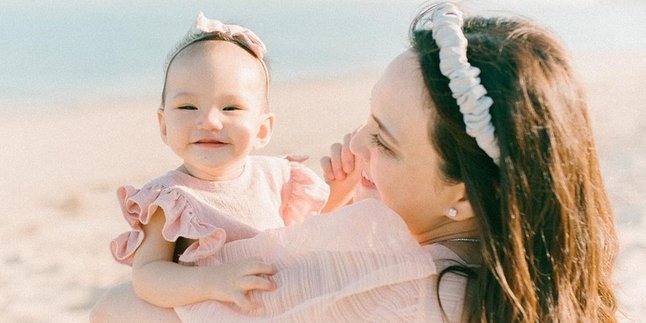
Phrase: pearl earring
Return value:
(453, 212)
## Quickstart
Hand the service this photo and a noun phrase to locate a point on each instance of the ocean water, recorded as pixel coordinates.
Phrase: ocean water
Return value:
(58, 52)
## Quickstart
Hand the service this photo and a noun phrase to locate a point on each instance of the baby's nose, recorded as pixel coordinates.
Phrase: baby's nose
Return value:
(211, 120)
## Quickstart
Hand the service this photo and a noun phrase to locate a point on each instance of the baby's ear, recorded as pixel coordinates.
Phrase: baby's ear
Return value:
(265, 130)
(162, 125)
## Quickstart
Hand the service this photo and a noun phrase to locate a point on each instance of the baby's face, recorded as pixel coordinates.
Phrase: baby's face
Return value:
(214, 112)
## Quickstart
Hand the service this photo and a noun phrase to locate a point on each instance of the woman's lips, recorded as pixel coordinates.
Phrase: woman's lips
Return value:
(365, 181)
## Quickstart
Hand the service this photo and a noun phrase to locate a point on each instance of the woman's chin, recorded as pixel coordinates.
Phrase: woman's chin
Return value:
(363, 192)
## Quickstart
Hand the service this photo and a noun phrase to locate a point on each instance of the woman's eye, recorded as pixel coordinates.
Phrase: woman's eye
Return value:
(377, 142)
(186, 107)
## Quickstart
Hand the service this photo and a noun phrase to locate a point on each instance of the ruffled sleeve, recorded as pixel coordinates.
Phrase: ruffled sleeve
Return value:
(303, 195)
(138, 205)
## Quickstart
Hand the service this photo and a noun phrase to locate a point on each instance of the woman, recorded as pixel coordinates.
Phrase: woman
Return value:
(478, 138)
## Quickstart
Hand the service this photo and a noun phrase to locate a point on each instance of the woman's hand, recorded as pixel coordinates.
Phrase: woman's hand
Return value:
(342, 172)
(232, 282)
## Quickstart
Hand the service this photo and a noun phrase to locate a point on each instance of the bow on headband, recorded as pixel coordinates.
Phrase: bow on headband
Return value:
(239, 33)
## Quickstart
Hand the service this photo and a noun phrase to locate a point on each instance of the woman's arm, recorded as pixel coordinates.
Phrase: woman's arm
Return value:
(120, 304)
(161, 282)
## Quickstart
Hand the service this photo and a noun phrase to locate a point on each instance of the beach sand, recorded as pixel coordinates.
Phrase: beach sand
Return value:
(61, 168)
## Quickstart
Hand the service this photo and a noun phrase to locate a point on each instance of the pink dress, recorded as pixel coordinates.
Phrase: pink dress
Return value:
(357, 264)
(271, 192)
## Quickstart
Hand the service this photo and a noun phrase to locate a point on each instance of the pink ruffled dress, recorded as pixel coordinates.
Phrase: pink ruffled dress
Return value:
(357, 264)
(271, 192)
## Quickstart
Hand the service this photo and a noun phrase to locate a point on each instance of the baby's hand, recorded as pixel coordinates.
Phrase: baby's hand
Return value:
(233, 281)
(342, 171)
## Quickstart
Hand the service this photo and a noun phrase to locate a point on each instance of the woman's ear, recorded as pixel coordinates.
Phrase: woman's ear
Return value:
(162, 125)
(460, 208)
(265, 130)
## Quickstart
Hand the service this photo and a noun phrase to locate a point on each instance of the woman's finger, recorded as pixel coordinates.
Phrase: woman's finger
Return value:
(335, 156)
(347, 157)
(326, 166)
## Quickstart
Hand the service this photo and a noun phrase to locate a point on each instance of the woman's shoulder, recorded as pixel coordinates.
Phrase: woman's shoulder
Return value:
(443, 256)
(450, 284)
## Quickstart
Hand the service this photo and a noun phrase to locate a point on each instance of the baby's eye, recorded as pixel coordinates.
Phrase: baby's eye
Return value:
(186, 107)
(230, 108)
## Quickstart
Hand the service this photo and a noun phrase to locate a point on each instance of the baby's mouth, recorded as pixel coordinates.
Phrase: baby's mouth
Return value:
(209, 143)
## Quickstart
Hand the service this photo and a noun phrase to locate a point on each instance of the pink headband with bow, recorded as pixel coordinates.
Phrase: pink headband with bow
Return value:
(204, 27)
(239, 33)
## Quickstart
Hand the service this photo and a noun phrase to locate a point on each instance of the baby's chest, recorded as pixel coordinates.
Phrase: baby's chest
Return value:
(233, 212)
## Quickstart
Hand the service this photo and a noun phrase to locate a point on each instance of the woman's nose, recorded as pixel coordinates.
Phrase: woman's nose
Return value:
(358, 143)
(211, 119)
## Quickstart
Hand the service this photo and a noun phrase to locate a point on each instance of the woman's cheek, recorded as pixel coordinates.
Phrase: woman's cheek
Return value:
(381, 176)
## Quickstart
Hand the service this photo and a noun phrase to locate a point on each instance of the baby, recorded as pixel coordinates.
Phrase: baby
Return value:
(214, 112)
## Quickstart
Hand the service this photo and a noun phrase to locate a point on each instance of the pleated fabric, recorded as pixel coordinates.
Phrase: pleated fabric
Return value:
(357, 264)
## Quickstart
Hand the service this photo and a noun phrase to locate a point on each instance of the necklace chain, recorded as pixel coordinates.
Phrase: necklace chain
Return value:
(463, 240)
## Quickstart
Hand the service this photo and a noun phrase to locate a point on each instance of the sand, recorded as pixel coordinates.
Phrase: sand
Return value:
(62, 165)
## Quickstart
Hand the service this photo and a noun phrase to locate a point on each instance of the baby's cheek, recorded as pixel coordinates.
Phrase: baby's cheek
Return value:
(248, 133)
(244, 135)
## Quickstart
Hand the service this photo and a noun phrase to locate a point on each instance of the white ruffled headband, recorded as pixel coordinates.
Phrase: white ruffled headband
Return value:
(205, 27)
(446, 25)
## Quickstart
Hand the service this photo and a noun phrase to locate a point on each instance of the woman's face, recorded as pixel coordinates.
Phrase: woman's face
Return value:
(401, 164)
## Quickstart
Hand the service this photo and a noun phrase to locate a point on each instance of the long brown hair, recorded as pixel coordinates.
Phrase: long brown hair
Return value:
(547, 228)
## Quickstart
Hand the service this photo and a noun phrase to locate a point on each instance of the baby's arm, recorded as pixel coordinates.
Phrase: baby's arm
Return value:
(342, 171)
(161, 282)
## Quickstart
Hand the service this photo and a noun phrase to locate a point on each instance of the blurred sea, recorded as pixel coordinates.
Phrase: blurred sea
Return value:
(55, 53)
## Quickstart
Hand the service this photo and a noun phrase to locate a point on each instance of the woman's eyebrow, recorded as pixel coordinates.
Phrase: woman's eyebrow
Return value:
(385, 130)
